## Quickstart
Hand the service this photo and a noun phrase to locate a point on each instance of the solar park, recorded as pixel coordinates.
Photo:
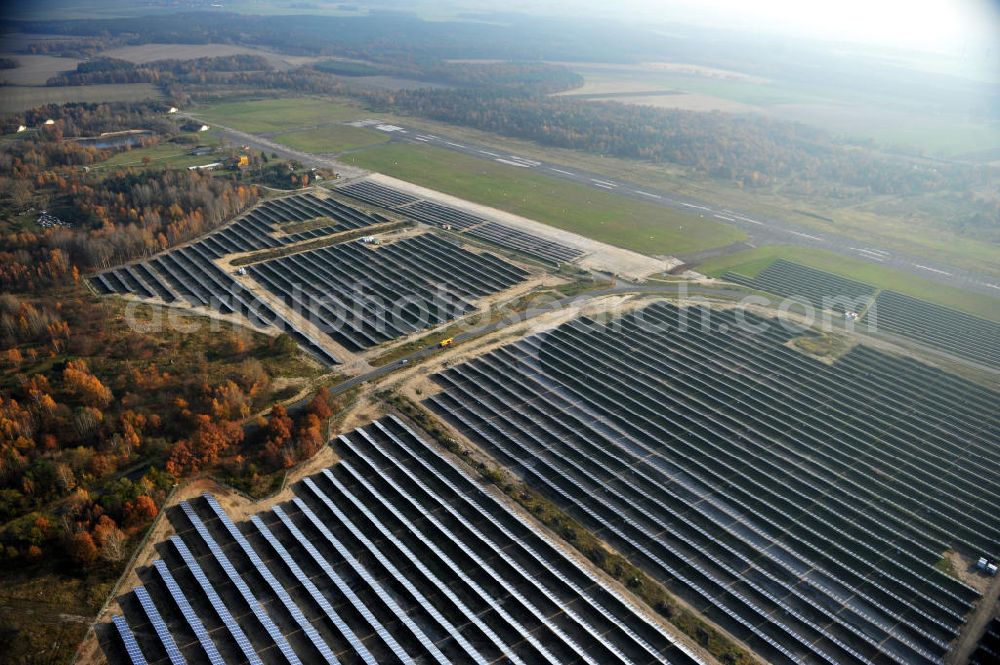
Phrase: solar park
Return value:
(801, 505)
(349, 291)
(365, 296)
(463, 222)
(391, 555)
(950, 330)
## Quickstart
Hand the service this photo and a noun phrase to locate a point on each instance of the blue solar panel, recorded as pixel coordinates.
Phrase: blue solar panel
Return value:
(341, 585)
(407, 584)
(318, 597)
(166, 639)
(279, 591)
(131, 646)
(241, 586)
(214, 657)
(437, 582)
(419, 459)
(220, 608)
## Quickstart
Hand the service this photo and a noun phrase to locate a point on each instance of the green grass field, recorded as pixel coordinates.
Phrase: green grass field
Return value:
(752, 261)
(272, 115)
(162, 155)
(332, 139)
(602, 216)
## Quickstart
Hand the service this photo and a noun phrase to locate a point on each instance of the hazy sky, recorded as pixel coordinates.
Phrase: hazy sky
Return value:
(950, 25)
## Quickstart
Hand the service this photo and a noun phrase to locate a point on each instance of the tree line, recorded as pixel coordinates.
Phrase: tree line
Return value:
(159, 72)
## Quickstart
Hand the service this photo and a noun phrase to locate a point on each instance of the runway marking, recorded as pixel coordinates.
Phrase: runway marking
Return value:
(603, 183)
(421, 138)
(691, 205)
(870, 255)
(653, 196)
(806, 235)
(487, 152)
(526, 161)
(551, 168)
(992, 286)
(457, 145)
(940, 272)
(747, 219)
(511, 163)
(728, 219)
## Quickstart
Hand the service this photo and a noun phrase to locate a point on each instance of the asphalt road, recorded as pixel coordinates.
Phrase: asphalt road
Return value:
(760, 230)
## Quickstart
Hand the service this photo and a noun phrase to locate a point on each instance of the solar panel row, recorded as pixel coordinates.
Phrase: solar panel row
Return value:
(440, 215)
(403, 559)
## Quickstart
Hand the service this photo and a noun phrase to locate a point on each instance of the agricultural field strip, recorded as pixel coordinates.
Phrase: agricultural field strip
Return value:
(939, 641)
(362, 297)
(962, 334)
(400, 523)
(440, 215)
(814, 286)
(189, 273)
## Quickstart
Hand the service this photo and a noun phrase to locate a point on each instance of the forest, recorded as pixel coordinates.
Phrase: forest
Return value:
(97, 419)
(163, 72)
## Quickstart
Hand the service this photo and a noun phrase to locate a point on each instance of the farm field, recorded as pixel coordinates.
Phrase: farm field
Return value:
(803, 517)
(331, 139)
(352, 569)
(272, 115)
(22, 98)
(190, 275)
(751, 262)
(602, 216)
(857, 117)
(144, 53)
(35, 70)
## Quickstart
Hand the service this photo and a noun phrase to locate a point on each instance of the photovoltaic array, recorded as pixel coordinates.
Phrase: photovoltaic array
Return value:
(804, 506)
(392, 555)
(440, 215)
(362, 296)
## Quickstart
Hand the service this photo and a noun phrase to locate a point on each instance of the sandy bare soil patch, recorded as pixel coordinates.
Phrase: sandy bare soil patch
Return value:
(599, 256)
